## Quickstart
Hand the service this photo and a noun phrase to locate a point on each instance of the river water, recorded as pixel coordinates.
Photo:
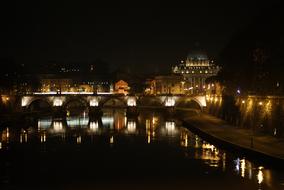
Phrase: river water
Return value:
(116, 152)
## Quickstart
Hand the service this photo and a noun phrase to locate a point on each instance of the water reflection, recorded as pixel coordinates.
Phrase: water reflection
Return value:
(246, 169)
(58, 127)
(44, 123)
(131, 127)
(111, 140)
(43, 137)
(184, 138)
(94, 126)
(23, 136)
(114, 126)
(108, 121)
(170, 127)
(150, 129)
(259, 176)
(79, 139)
(81, 121)
(211, 155)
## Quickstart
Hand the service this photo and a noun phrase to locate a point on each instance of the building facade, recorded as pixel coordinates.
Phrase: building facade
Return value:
(165, 84)
(121, 87)
(195, 70)
(55, 84)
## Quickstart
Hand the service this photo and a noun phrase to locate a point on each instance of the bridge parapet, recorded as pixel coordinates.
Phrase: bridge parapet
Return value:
(95, 100)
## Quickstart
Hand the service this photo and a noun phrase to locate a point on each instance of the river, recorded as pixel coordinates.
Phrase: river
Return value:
(116, 152)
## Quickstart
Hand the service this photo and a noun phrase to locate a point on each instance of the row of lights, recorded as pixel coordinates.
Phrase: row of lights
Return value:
(259, 103)
(211, 98)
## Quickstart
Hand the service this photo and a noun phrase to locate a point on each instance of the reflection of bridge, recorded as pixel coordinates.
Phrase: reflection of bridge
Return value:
(114, 100)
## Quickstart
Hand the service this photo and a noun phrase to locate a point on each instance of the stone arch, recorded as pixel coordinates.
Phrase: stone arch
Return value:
(114, 102)
(189, 103)
(150, 101)
(201, 100)
(81, 101)
(40, 103)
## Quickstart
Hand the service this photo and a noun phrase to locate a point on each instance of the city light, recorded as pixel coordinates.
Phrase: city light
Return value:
(25, 101)
(66, 93)
(57, 126)
(208, 146)
(111, 140)
(44, 123)
(170, 126)
(131, 126)
(170, 101)
(57, 102)
(216, 99)
(79, 139)
(108, 120)
(260, 175)
(184, 139)
(243, 167)
(43, 138)
(94, 125)
(131, 101)
(94, 102)
(5, 99)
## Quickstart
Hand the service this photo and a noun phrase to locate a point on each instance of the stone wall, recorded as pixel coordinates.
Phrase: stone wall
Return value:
(261, 114)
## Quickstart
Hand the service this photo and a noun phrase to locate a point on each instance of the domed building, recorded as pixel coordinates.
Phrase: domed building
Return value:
(195, 70)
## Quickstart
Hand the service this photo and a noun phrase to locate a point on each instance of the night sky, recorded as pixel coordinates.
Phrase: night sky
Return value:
(140, 36)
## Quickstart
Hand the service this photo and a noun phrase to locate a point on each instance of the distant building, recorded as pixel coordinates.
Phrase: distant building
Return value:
(121, 87)
(55, 84)
(166, 84)
(195, 70)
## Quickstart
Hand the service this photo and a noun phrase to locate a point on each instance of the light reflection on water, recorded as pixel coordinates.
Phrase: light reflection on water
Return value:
(153, 128)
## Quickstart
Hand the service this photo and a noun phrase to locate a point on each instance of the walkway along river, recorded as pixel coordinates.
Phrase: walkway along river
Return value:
(151, 151)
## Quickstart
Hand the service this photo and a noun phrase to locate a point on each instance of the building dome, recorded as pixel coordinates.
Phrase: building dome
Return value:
(197, 56)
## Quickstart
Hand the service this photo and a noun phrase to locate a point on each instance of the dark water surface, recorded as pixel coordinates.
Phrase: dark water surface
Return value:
(115, 152)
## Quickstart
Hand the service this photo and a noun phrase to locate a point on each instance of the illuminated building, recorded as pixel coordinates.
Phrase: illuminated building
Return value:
(195, 70)
(55, 84)
(121, 87)
(166, 84)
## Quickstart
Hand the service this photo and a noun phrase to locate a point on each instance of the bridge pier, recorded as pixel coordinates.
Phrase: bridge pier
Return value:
(95, 112)
(132, 112)
(170, 111)
(58, 112)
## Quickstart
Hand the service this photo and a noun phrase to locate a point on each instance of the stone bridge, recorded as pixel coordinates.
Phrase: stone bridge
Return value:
(114, 100)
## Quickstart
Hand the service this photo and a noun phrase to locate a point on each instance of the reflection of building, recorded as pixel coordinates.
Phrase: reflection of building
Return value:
(167, 84)
(196, 69)
(121, 87)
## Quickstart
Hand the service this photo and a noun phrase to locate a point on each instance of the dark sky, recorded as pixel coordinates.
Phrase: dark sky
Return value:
(143, 36)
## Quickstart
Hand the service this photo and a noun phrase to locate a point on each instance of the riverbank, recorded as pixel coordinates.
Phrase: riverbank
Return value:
(267, 149)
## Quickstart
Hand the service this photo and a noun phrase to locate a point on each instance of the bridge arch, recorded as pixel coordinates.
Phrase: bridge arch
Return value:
(197, 102)
(188, 103)
(39, 104)
(114, 102)
(81, 102)
(150, 101)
